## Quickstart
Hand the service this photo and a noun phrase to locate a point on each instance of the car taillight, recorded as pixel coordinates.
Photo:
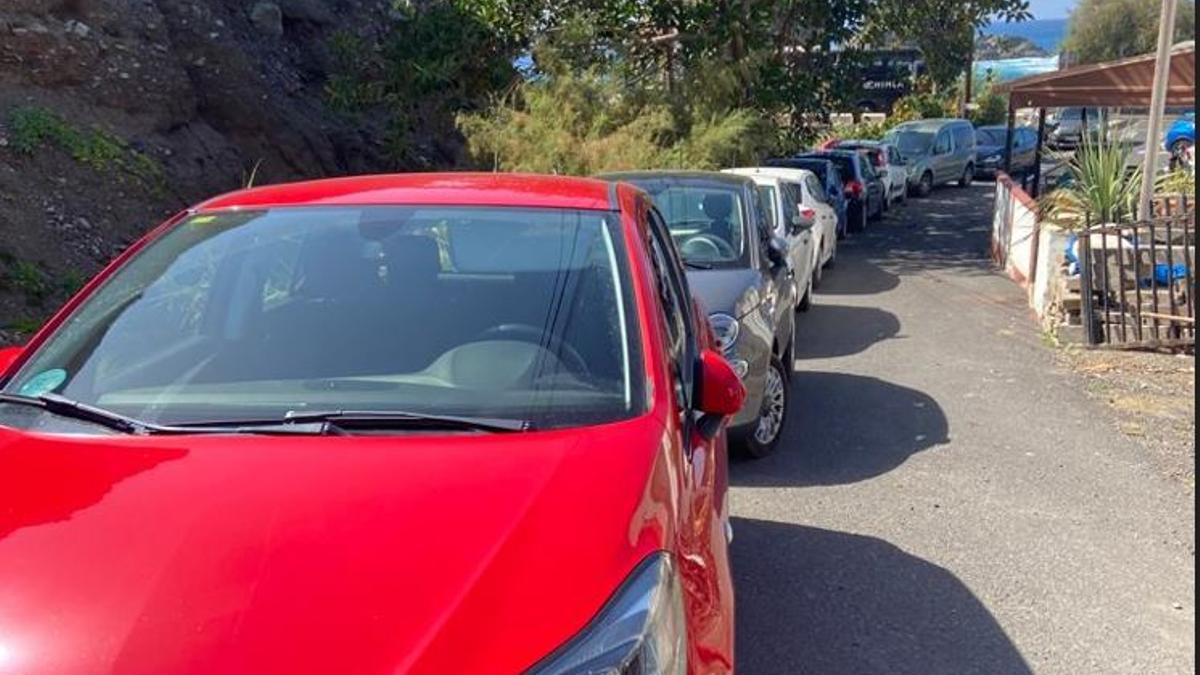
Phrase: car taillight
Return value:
(854, 189)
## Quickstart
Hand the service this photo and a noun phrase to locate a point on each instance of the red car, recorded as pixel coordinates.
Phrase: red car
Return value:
(396, 424)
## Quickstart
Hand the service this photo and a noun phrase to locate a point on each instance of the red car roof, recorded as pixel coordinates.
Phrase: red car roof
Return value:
(473, 189)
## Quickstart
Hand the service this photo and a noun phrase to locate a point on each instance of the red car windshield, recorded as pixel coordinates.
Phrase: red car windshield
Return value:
(498, 312)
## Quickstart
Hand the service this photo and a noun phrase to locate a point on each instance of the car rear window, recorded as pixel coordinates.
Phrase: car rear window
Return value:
(708, 221)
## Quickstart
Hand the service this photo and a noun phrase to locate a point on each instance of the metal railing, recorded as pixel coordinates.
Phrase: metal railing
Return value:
(1137, 279)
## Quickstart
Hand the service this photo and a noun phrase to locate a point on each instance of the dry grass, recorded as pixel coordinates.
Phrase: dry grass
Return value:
(1153, 397)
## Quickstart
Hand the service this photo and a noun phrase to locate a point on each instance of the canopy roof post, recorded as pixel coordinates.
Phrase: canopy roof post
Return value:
(1008, 138)
(1158, 96)
(1037, 154)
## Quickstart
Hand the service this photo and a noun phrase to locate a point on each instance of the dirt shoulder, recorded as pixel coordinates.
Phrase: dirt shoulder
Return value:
(1153, 400)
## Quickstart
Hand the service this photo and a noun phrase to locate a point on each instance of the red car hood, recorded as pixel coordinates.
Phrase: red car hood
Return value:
(354, 555)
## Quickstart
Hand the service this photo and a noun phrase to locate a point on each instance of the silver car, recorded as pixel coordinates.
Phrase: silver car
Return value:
(938, 152)
(739, 272)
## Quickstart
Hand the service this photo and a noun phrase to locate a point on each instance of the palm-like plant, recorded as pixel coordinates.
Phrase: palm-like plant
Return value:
(1102, 188)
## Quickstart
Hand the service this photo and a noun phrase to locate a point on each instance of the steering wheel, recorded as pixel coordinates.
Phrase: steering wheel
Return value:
(702, 246)
(523, 332)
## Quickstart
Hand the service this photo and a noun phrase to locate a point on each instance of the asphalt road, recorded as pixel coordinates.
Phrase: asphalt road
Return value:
(946, 500)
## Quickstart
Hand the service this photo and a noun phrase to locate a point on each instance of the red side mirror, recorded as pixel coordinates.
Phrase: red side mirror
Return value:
(8, 356)
(721, 391)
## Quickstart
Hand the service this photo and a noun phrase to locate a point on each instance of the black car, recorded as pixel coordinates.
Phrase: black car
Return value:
(989, 151)
(862, 184)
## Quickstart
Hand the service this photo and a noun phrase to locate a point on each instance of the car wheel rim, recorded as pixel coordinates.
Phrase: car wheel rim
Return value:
(770, 418)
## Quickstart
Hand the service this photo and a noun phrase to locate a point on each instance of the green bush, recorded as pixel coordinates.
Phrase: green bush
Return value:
(24, 326)
(27, 277)
(590, 122)
(1101, 188)
(991, 107)
(437, 61)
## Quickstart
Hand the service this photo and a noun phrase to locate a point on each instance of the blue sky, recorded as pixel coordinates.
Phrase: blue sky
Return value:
(1051, 9)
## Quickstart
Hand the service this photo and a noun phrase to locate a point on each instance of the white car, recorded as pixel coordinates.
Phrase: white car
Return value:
(810, 203)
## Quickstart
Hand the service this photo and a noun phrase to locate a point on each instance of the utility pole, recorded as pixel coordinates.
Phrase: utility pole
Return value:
(966, 100)
(1158, 100)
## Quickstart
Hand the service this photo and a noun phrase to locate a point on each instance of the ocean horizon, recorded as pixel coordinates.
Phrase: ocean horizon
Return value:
(1045, 33)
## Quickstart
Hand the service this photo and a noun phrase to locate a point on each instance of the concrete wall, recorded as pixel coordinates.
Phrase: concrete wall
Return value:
(1051, 249)
(1015, 232)
(1031, 253)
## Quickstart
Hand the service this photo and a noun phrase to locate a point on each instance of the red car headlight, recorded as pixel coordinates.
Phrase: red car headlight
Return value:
(641, 631)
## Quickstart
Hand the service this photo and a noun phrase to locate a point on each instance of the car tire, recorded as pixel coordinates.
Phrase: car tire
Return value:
(805, 302)
(858, 222)
(762, 436)
(925, 186)
(967, 177)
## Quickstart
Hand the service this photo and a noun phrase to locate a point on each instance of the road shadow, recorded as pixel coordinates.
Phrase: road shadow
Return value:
(827, 331)
(859, 277)
(949, 230)
(813, 601)
(843, 429)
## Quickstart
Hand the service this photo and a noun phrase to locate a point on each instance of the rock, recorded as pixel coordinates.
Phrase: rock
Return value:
(267, 18)
(77, 28)
(998, 47)
(313, 11)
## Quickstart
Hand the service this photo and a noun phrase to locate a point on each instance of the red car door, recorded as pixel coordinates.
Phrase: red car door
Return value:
(702, 532)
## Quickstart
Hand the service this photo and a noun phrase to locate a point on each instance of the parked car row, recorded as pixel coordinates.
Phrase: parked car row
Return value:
(365, 411)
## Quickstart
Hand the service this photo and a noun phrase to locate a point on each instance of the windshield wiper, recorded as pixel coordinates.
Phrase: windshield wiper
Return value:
(65, 407)
(694, 265)
(350, 420)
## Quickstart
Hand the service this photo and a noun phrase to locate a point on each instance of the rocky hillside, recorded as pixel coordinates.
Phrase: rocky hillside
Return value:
(117, 113)
(997, 47)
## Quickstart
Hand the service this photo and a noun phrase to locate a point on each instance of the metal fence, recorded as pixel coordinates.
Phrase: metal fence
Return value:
(1140, 279)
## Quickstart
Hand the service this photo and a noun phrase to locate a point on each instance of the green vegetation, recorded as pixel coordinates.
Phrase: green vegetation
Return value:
(991, 107)
(34, 127)
(70, 283)
(1103, 30)
(944, 30)
(435, 63)
(1101, 189)
(24, 326)
(28, 278)
(690, 79)
(1180, 181)
(591, 114)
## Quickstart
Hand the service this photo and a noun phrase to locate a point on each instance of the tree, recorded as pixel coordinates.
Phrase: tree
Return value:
(944, 30)
(1103, 30)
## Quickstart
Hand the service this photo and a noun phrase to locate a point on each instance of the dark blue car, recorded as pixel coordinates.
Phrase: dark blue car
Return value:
(861, 185)
(826, 172)
(990, 143)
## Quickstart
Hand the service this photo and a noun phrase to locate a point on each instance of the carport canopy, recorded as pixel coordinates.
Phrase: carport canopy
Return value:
(1125, 83)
